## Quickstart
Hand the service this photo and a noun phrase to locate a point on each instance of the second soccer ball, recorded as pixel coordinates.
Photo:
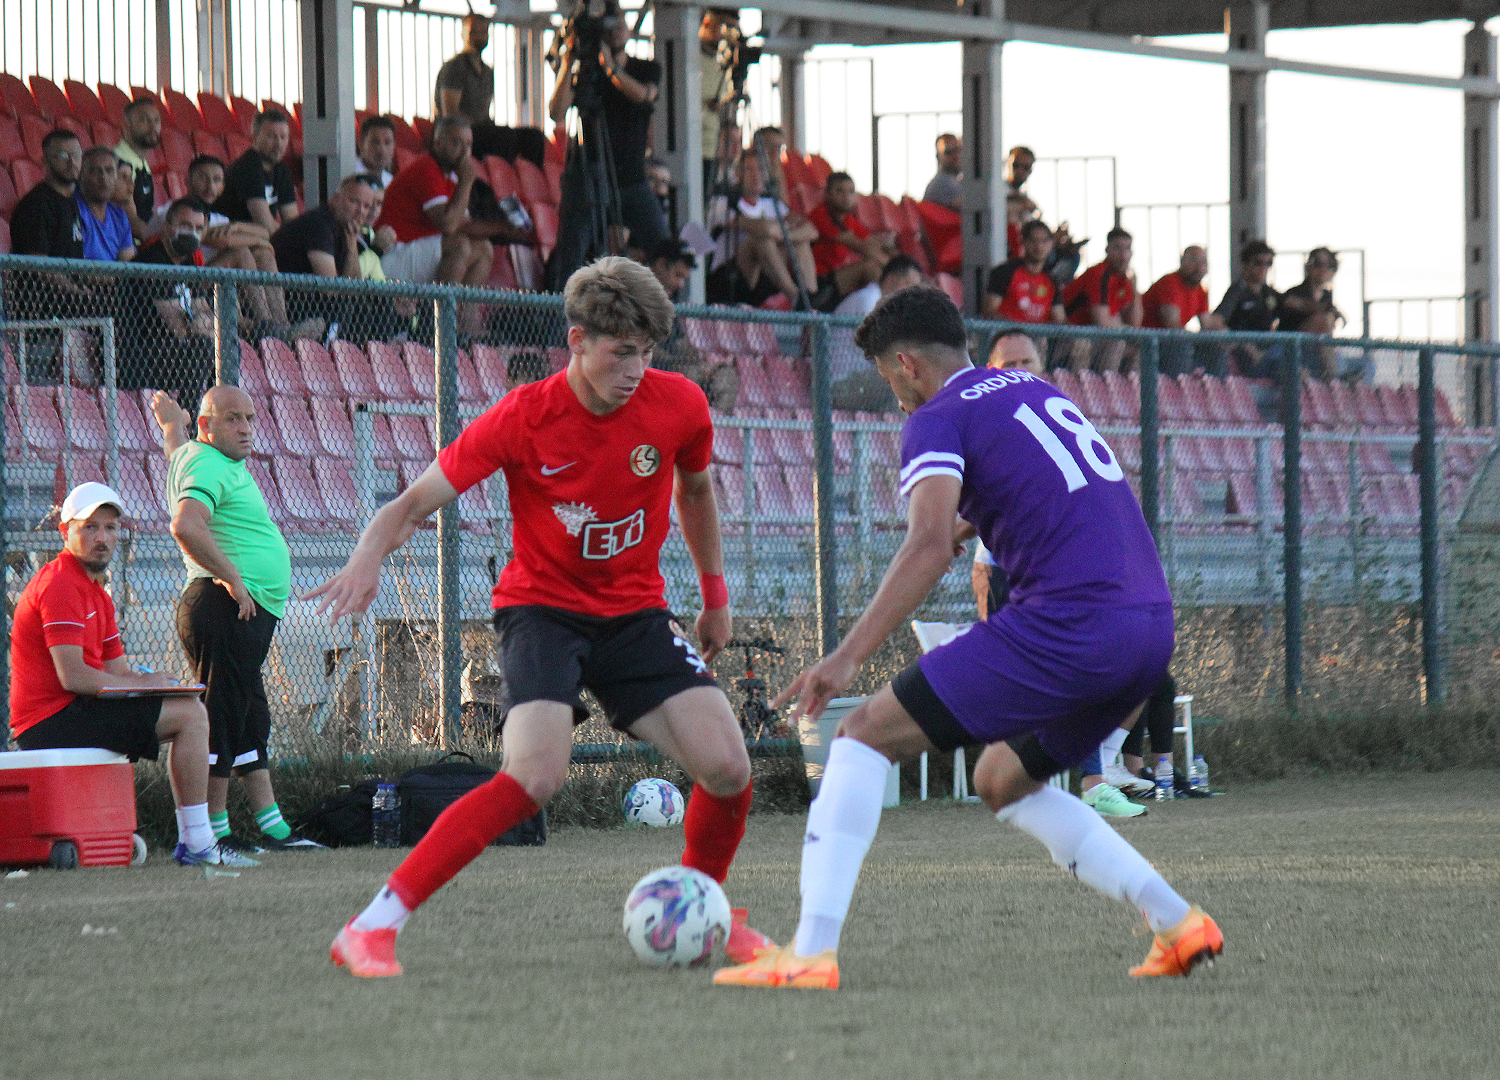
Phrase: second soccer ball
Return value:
(654, 802)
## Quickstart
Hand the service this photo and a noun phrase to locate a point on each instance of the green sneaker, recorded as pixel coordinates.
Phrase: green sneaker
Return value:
(1111, 802)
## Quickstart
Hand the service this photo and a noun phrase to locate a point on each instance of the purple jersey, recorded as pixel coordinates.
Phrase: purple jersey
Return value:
(1043, 489)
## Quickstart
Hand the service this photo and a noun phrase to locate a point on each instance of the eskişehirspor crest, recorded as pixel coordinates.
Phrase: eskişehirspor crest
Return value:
(574, 516)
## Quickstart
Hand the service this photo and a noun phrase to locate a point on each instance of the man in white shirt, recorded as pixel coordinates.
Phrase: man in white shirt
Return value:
(752, 262)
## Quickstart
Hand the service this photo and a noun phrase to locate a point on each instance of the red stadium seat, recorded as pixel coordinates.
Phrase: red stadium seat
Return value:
(283, 371)
(181, 111)
(544, 216)
(177, 149)
(729, 445)
(334, 426)
(50, 101)
(139, 432)
(553, 170)
(13, 92)
(8, 195)
(421, 367)
(301, 498)
(318, 372)
(336, 486)
(244, 112)
(533, 183)
(298, 432)
(790, 380)
(12, 146)
(391, 377)
(557, 145)
(174, 184)
(34, 128)
(82, 419)
(41, 426)
(113, 101)
(205, 142)
(501, 176)
(82, 102)
(423, 128)
(700, 334)
(148, 512)
(260, 471)
(469, 387)
(405, 157)
(952, 286)
(354, 372)
(491, 370)
(503, 270)
(867, 210)
(236, 145)
(252, 372)
(412, 438)
(4, 237)
(406, 136)
(27, 175)
(104, 133)
(755, 387)
(218, 117)
(761, 337)
(819, 169)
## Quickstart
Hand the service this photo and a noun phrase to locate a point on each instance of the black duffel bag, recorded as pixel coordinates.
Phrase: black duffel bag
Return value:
(428, 790)
(343, 819)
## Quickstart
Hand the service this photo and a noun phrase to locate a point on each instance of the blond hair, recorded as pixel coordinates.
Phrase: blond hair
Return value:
(617, 297)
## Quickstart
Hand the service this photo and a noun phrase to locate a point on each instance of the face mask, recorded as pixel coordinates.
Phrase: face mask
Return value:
(184, 243)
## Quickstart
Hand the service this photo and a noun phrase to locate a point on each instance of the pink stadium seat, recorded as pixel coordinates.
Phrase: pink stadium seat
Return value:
(1216, 399)
(236, 145)
(406, 136)
(1195, 401)
(952, 286)
(420, 366)
(731, 488)
(300, 496)
(1241, 401)
(355, 374)
(1067, 382)
(490, 369)
(138, 433)
(729, 445)
(50, 101)
(113, 101)
(82, 418)
(412, 438)
(1170, 402)
(27, 174)
(755, 388)
(252, 372)
(391, 377)
(12, 146)
(786, 446)
(8, 195)
(260, 471)
(41, 426)
(501, 176)
(1367, 402)
(772, 497)
(867, 210)
(1317, 404)
(298, 431)
(82, 102)
(336, 486)
(13, 92)
(386, 453)
(34, 128)
(148, 512)
(318, 372)
(174, 184)
(544, 217)
(104, 133)
(180, 110)
(470, 389)
(282, 368)
(761, 339)
(244, 112)
(553, 171)
(789, 381)
(730, 336)
(533, 183)
(700, 335)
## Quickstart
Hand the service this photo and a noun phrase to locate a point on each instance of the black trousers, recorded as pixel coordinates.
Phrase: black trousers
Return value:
(227, 653)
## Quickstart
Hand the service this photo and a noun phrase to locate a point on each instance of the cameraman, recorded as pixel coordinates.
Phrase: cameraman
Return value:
(719, 143)
(626, 89)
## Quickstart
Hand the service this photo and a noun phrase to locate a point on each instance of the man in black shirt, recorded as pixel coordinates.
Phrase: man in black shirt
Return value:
(325, 242)
(1251, 305)
(46, 222)
(168, 338)
(627, 91)
(258, 186)
(466, 87)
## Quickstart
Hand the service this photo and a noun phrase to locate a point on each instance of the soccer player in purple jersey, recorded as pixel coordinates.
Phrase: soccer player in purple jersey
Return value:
(1083, 638)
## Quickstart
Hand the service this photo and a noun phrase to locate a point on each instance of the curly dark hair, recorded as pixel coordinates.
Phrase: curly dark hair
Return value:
(920, 315)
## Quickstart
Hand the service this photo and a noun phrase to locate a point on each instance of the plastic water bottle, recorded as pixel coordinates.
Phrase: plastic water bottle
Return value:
(1198, 779)
(1164, 778)
(385, 816)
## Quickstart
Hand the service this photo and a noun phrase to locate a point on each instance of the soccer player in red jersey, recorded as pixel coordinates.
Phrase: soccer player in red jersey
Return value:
(592, 457)
(1104, 295)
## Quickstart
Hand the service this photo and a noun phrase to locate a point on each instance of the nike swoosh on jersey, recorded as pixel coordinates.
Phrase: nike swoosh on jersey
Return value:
(548, 472)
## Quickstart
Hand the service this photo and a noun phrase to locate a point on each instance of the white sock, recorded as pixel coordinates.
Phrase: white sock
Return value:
(385, 911)
(1109, 749)
(193, 830)
(1083, 844)
(841, 824)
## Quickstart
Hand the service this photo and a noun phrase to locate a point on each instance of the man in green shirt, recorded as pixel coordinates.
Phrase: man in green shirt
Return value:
(239, 577)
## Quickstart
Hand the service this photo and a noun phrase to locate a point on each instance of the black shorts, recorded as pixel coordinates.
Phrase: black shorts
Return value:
(726, 285)
(124, 725)
(227, 654)
(631, 663)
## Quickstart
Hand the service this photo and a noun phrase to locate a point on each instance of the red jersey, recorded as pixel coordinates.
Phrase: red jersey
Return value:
(61, 605)
(591, 495)
(420, 185)
(1097, 286)
(1171, 289)
(829, 253)
(1025, 297)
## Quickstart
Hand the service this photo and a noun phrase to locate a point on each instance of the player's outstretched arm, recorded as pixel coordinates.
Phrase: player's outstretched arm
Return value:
(698, 517)
(173, 420)
(923, 559)
(353, 589)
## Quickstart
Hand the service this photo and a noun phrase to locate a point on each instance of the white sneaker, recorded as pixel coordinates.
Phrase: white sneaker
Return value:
(1109, 802)
(1121, 777)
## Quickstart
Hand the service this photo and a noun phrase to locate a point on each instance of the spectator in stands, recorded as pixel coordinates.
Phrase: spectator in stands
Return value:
(673, 263)
(1015, 349)
(466, 86)
(379, 321)
(773, 141)
(374, 241)
(1175, 300)
(846, 256)
(1251, 305)
(899, 273)
(1308, 308)
(1020, 290)
(141, 133)
(170, 343)
(752, 262)
(719, 143)
(857, 386)
(659, 177)
(946, 188)
(627, 98)
(377, 148)
(1062, 264)
(325, 242)
(46, 222)
(258, 186)
(1104, 295)
(427, 208)
(106, 227)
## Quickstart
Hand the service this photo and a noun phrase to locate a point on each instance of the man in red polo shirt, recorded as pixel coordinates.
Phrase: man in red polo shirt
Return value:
(1175, 300)
(1104, 295)
(427, 205)
(846, 255)
(594, 457)
(65, 650)
(1021, 290)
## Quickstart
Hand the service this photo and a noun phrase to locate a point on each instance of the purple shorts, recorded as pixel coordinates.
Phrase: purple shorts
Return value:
(1066, 676)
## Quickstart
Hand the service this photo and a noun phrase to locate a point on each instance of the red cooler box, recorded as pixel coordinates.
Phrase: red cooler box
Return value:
(67, 808)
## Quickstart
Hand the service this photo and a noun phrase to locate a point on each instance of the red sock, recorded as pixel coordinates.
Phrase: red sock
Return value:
(714, 828)
(458, 835)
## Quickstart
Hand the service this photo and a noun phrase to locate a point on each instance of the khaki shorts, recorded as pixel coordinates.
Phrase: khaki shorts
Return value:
(416, 262)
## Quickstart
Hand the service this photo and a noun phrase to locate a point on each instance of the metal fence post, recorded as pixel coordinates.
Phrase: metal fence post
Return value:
(227, 333)
(365, 625)
(822, 402)
(1291, 420)
(1428, 471)
(111, 402)
(450, 632)
(1150, 432)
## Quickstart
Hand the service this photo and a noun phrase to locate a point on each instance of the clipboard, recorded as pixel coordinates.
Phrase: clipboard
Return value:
(187, 690)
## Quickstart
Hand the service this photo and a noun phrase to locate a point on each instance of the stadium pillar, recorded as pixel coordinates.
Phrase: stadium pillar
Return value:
(214, 49)
(794, 97)
(678, 128)
(327, 97)
(1247, 24)
(163, 43)
(1481, 270)
(531, 77)
(982, 213)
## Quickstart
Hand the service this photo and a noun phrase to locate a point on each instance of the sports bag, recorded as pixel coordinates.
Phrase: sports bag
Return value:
(428, 790)
(343, 819)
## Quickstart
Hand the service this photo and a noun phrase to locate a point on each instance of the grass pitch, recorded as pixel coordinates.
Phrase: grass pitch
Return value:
(1360, 915)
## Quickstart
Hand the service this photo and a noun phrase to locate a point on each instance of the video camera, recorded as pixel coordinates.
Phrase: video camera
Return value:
(737, 56)
(584, 32)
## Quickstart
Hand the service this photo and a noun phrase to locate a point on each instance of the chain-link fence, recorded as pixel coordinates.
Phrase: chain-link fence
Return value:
(1331, 585)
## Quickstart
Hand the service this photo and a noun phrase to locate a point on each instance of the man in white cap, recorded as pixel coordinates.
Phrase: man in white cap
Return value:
(65, 650)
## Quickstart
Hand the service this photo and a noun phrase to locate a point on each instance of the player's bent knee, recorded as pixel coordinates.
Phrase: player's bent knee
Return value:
(726, 777)
(541, 780)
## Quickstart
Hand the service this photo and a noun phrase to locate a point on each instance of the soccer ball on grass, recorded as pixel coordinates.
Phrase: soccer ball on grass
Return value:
(654, 802)
(676, 917)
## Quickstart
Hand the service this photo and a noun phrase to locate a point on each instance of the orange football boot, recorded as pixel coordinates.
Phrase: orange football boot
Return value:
(744, 944)
(369, 954)
(1196, 939)
(782, 968)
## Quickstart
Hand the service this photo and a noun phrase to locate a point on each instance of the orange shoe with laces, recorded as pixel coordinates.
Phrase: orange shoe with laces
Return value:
(784, 968)
(1195, 940)
(744, 944)
(370, 954)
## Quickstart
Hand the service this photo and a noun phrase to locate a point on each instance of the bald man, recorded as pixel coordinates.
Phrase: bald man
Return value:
(239, 577)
